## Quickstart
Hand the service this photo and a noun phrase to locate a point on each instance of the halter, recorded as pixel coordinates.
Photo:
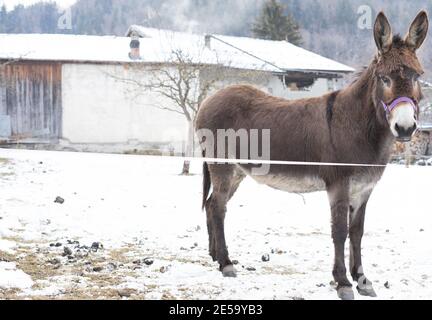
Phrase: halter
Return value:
(389, 108)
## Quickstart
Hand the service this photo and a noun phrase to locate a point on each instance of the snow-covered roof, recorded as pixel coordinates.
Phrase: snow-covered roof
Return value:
(248, 53)
(158, 46)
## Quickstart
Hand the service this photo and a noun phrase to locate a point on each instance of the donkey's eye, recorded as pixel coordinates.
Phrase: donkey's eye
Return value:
(386, 80)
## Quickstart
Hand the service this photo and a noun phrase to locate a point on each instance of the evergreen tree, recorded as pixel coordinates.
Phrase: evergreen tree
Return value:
(3, 19)
(273, 24)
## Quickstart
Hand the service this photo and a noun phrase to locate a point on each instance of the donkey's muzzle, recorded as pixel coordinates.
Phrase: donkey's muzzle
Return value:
(405, 134)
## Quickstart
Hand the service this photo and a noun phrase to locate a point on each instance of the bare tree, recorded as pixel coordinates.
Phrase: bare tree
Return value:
(183, 82)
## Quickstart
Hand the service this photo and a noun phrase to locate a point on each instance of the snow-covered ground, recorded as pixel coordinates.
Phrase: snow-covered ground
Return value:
(121, 213)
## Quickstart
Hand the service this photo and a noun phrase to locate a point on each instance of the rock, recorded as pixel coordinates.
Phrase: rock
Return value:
(421, 230)
(54, 261)
(59, 200)
(197, 228)
(297, 298)
(96, 246)
(320, 285)
(163, 269)
(250, 269)
(235, 262)
(148, 261)
(97, 269)
(67, 251)
(111, 266)
(125, 293)
(421, 163)
(265, 257)
(387, 285)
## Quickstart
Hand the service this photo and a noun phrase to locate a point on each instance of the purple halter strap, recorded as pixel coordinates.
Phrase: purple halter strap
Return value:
(393, 105)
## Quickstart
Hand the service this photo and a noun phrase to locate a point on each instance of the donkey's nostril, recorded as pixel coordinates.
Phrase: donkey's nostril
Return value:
(405, 133)
(397, 128)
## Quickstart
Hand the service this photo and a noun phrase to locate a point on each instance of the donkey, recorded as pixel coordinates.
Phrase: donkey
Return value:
(358, 124)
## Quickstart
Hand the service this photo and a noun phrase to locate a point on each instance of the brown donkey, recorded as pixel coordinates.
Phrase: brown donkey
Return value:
(355, 125)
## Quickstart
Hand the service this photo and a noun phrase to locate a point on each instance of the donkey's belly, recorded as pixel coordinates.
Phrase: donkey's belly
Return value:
(291, 184)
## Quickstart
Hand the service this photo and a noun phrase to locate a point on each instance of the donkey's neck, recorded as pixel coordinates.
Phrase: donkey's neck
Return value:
(374, 132)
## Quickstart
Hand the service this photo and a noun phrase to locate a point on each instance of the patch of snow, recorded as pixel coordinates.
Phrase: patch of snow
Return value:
(7, 246)
(142, 206)
(13, 278)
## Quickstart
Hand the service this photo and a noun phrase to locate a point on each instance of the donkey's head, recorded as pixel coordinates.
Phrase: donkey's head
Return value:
(397, 91)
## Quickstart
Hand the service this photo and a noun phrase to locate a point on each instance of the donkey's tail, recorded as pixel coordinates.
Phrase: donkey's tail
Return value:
(206, 184)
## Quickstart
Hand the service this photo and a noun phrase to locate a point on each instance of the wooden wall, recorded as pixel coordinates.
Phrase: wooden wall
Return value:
(30, 94)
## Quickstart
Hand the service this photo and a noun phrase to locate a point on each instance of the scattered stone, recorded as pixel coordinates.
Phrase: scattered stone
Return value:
(111, 266)
(70, 257)
(163, 269)
(297, 298)
(97, 269)
(387, 285)
(125, 293)
(320, 285)
(250, 269)
(58, 244)
(421, 230)
(265, 257)
(67, 251)
(235, 262)
(197, 228)
(72, 242)
(387, 230)
(421, 163)
(148, 261)
(59, 200)
(96, 246)
(54, 261)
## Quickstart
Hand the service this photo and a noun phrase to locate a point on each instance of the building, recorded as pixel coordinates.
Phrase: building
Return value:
(76, 92)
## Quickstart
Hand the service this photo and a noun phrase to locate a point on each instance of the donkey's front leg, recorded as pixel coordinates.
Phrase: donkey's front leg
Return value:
(357, 218)
(339, 201)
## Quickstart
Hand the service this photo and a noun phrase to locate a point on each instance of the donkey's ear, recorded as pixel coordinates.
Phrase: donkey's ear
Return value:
(418, 31)
(383, 33)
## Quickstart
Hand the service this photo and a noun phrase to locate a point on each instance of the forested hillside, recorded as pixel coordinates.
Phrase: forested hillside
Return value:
(328, 27)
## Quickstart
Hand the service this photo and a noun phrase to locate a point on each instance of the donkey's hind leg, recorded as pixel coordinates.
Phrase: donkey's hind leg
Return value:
(225, 180)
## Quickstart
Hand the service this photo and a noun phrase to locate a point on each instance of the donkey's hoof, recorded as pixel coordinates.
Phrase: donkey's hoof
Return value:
(367, 291)
(345, 293)
(229, 271)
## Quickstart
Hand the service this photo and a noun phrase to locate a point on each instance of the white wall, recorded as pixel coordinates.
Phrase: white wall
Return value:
(99, 108)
